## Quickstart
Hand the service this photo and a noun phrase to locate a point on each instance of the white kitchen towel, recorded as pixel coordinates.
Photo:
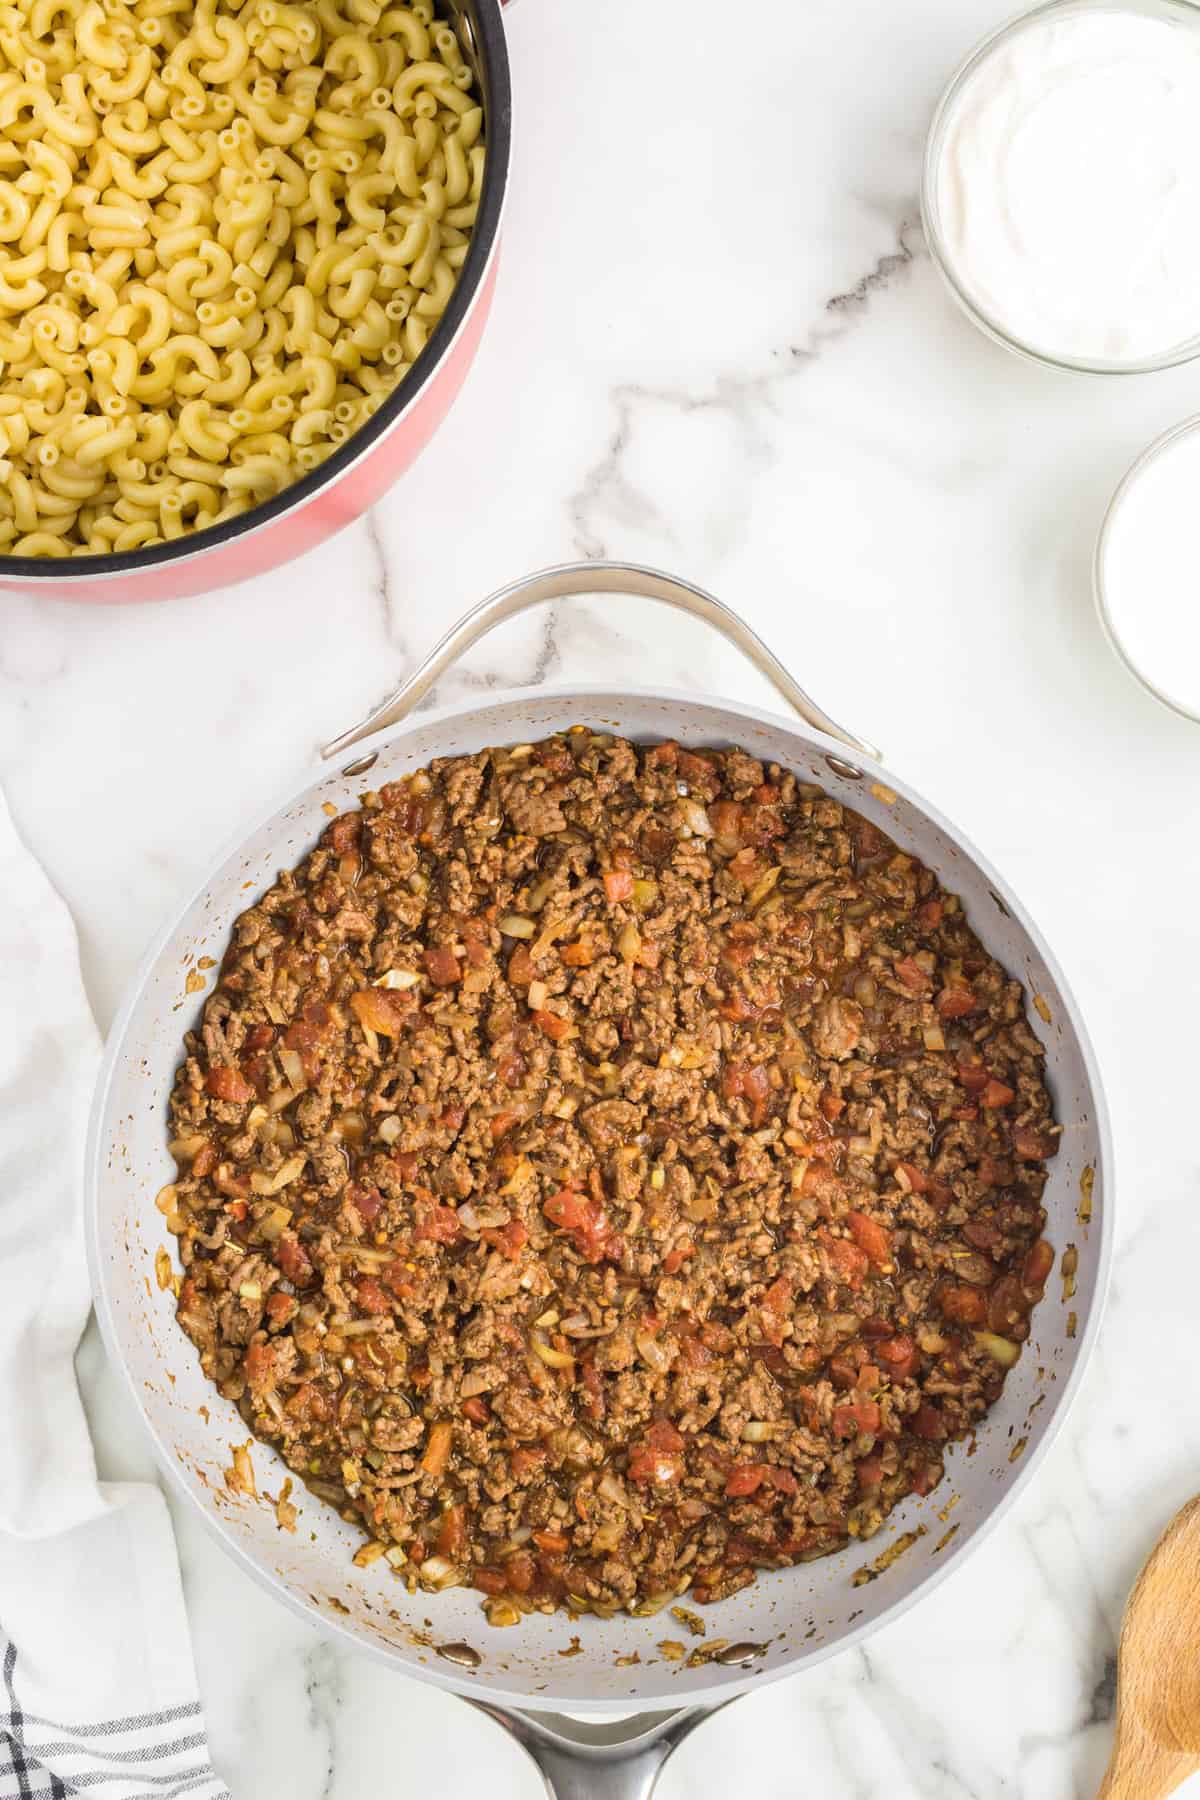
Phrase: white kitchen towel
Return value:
(98, 1693)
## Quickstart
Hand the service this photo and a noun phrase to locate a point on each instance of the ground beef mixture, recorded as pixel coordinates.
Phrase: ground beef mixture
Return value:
(608, 1170)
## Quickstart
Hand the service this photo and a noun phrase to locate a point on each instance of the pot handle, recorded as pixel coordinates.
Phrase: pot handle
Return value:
(620, 1759)
(592, 578)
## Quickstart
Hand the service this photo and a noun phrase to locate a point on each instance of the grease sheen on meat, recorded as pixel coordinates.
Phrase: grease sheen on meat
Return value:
(608, 1170)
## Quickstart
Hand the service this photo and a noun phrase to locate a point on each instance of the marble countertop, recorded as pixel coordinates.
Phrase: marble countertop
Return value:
(719, 345)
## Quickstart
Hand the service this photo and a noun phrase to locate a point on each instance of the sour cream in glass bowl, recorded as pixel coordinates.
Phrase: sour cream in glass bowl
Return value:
(1061, 191)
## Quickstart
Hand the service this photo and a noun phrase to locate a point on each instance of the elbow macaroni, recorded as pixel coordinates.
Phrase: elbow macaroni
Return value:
(226, 232)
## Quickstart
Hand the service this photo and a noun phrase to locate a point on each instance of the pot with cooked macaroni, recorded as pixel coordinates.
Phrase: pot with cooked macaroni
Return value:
(245, 257)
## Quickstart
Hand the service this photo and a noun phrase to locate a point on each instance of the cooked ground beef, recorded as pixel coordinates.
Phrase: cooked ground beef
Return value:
(606, 1170)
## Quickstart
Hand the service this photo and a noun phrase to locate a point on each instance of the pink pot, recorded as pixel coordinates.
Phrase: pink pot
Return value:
(355, 476)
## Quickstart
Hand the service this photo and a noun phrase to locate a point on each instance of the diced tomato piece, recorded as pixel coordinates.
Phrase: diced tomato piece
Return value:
(918, 1180)
(371, 1297)
(927, 1422)
(871, 1237)
(521, 970)
(974, 1077)
(476, 1409)
(407, 1162)
(863, 1416)
(555, 1543)
(452, 1532)
(586, 1217)
(553, 1025)
(913, 976)
(966, 1114)
(454, 1117)
(229, 1085)
(898, 1356)
(1038, 1265)
(437, 1448)
(657, 1466)
(258, 1364)
(751, 1086)
(618, 885)
(998, 1093)
(407, 1282)
(502, 1122)
(442, 966)
(662, 1435)
(699, 774)
(929, 914)
(475, 944)
(848, 1262)
(291, 1257)
(435, 1224)
(593, 1389)
(520, 1570)
(510, 1068)
(738, 1009)
(260, 1037)
(367, 1201)
(744, 1478)
(281, 1308)
(993, 1173)
(981, 1234)
(869, 1471)
(776, 1306)
(1032, 1145)
(675, 1259)
(924, 1478)
(725, 817)
(525, 1459)
(1007, 1310)
(578, 955)
(555, 757)
(204, 1161)
(665, 754)
(383, 1010)
(956, 1000)
(832, 1106)
(344, 832)
(782, 1480)
(508, 1239)
(961, 1304)
(490, 1581)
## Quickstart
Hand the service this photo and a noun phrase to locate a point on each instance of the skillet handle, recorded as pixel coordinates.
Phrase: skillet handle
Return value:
(592, 578)
(613, 1760)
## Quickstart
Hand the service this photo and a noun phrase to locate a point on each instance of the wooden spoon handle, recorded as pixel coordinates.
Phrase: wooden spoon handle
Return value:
(1143, 1770)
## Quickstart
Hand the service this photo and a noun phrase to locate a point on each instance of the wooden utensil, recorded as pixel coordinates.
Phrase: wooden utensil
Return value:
(1157, 1743)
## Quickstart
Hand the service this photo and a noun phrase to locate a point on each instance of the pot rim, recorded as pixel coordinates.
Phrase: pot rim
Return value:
(659, 1690)
(80, 571)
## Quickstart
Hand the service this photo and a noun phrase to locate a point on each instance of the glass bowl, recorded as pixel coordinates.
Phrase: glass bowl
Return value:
(1186, 12)
(1099, 586)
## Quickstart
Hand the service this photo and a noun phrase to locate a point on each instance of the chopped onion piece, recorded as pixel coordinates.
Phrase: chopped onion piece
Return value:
(389, 1129)
(934, 1040)
(539, 993)
(758, 1431)
(1000, 1349)
(652, 1352)
(553, 1359)
(271, 1184)
(398, 980)
(513, 925)
(695, 818)
(293, 1067)
(274, 1223)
